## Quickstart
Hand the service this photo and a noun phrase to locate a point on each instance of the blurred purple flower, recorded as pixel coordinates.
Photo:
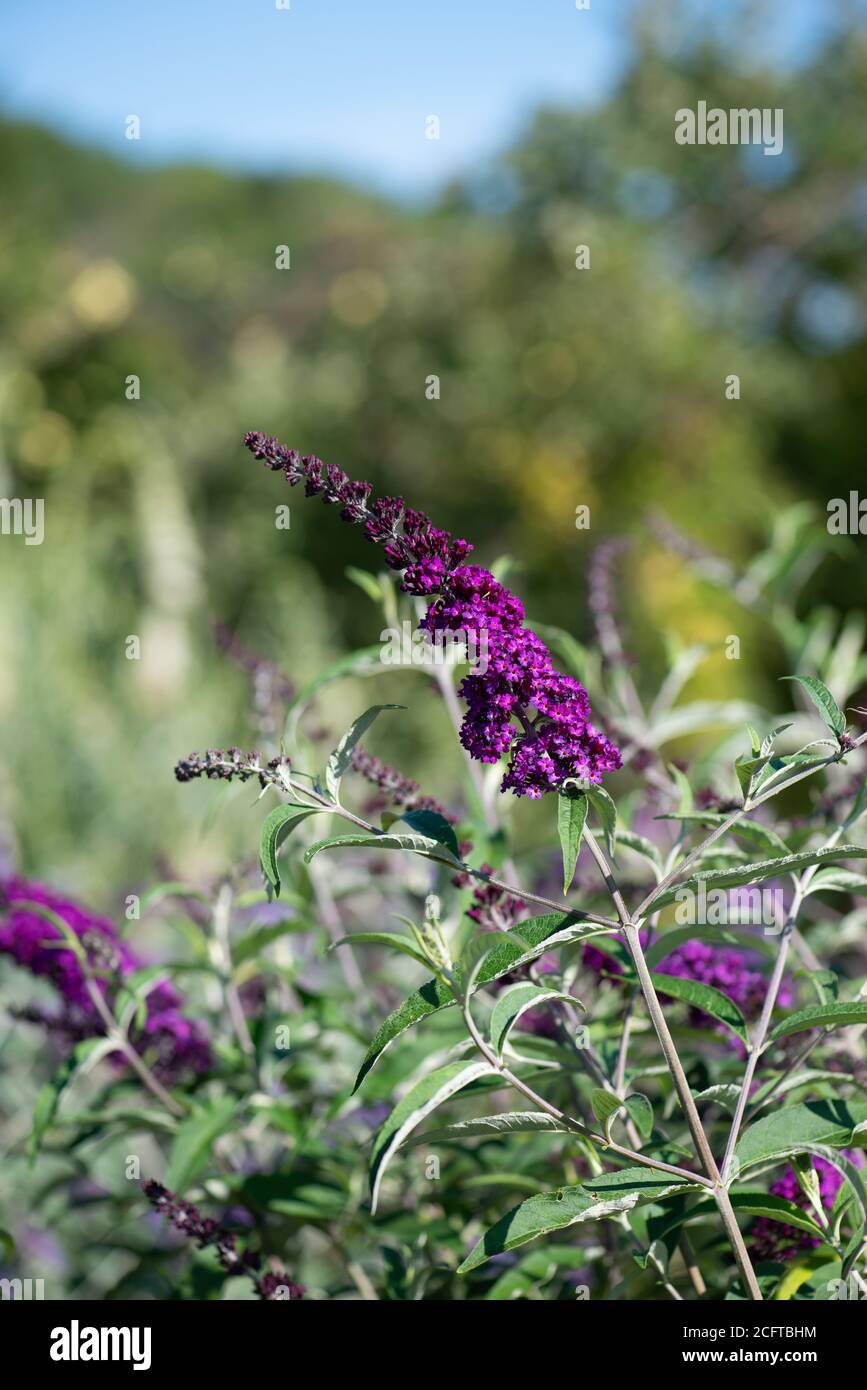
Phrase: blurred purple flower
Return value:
(773, 1240)
(179, 1044)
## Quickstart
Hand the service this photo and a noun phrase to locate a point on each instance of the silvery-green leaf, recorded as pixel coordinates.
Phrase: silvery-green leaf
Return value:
(432, 1090)
(824, 702)
(607, 813)
(278, 825)
(602, 1196)
(514, 1002)
(492, 1126)
(391, 940)
(838, 1015)
(705, 997)
(796, 1128)
(756, 873)
(418, 844)
(526, 942)
(342, 755)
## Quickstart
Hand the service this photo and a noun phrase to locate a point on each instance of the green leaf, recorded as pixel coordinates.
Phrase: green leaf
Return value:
(761, 836)
(641, 1113)
(280, 823)
(260, 938)
(641, 846)
(342, 755)
(534, 1271)
(435, 827)
(824, 702)
(87, 1052)
(605, 1106)
(191, 1147)
(605, 1195)
(838, 881)
(514, 1002)
(492, 1127)
(686, 800)
(755, 873)
(418, 844)
(435, 1088)
(527, 941)
(725, 1094)
(383, 938)
(366, 581)
(797, 1127)
(705, 997)
(571, 815)
(757, 1203)
(607, 813)
(821, 1016)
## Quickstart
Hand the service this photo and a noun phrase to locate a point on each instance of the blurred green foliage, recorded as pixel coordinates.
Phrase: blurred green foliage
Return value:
(557, 387)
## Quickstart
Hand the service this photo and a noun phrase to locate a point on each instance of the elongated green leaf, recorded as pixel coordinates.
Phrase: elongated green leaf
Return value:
(435, 827)
(342, 755)
(366, 581)
(194, 1140)
(824, 702)
(260, 938)
(571, 815)
(602, 1196)
(646, 848)
(492, 1127)
(641, 1113)
(383, 938)
(280, 823)
(418, 844)
(797, 1127)
(435, 1088)
(725, 1094)
(755, 873)
(514, 1002)
(605, 1106)
(607, 813)
(529, 940)
(821, 1016)
(87, 1052)
(751, 831)
(705, 997)
(757, 1203)
(838, 881)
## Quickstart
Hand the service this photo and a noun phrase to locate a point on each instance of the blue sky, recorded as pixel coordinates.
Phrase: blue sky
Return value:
(339, 85)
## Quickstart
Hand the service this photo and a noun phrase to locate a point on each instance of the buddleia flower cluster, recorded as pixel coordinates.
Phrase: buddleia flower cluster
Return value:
(178, 1044)
(520, 707)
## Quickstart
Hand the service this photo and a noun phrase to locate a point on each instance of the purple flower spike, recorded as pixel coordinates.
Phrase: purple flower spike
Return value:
(553, 739)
